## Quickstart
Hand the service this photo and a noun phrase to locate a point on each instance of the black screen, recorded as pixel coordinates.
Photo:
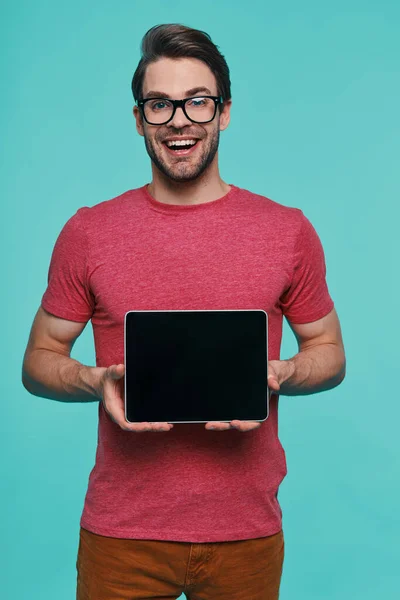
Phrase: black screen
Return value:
(196, 366)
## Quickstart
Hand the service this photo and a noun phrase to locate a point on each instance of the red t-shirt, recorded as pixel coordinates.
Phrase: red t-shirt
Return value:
(241, 251)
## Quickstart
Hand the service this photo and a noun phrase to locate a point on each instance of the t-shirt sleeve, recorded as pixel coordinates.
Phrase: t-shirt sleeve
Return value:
(68, 295)
(307, 299)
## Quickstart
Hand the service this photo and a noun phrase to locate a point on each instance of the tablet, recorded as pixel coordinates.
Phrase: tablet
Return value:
(196, 366)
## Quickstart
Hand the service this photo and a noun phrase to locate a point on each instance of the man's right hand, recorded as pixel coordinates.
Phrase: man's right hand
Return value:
(111, 391)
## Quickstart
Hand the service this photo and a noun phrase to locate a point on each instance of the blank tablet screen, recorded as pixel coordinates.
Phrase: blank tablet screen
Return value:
(195, 366)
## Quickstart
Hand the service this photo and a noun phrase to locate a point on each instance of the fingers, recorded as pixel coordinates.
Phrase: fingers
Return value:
(117, 414)
(240, 425)
(219, 426)
(145, 426)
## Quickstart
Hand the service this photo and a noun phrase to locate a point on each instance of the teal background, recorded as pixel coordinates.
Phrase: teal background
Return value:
(315, 124)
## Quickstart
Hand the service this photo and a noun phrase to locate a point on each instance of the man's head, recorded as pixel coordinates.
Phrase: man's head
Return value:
(178, 63)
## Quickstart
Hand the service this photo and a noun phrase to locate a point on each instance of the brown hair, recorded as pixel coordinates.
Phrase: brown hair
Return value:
(178, 41)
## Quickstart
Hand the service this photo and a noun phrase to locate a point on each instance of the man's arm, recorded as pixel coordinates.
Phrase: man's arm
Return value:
(48, 370)
(320, 363)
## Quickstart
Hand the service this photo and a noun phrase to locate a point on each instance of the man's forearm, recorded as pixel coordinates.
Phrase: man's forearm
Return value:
(59, 377)
(315, 369)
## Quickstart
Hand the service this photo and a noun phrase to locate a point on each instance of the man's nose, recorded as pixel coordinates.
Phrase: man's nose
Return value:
(179, 119)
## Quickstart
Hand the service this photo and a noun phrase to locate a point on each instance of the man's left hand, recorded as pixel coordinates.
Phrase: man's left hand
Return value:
(278, 372)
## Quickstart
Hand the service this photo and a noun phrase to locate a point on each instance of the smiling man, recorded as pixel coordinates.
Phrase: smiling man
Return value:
(191, 511)
(182, 135)
(162, 110)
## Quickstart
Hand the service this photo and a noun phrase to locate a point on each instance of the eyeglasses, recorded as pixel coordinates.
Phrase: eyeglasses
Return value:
(198, 109)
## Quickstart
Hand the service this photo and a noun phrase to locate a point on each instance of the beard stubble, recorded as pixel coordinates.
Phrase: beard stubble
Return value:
(183, 170)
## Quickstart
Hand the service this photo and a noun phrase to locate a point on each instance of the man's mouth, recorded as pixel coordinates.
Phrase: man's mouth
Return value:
(181, 147)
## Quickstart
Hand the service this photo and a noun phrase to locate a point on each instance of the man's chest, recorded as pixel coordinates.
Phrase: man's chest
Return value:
(207, 268)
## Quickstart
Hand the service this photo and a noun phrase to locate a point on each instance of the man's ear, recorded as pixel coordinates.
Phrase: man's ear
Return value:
(139, 120)
(225, 115)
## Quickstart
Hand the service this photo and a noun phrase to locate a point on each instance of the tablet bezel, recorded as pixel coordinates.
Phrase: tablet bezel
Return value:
(198, 310)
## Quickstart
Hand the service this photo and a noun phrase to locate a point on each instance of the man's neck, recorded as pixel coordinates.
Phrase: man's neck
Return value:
(206, 188)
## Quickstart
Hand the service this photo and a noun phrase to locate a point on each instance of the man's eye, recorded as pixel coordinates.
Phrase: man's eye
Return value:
(198, 102)
(160, 105)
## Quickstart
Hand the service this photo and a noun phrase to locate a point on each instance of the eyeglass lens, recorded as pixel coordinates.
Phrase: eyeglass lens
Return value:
(198, 109)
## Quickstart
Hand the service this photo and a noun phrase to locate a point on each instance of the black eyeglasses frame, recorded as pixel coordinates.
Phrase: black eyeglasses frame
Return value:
(179, 103)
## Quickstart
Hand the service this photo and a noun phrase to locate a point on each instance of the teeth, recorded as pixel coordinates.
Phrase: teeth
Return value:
(181, 142)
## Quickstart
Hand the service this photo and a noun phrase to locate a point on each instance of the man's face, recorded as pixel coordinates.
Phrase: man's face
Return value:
(178, 79)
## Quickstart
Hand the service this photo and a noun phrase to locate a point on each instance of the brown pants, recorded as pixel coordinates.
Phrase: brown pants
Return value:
(125, 569)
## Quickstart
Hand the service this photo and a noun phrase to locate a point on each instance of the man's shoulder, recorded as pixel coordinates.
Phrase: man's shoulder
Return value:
(265, 205)
(108, 209)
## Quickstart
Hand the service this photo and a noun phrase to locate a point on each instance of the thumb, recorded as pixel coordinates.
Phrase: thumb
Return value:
(116, 371)
(273, 381)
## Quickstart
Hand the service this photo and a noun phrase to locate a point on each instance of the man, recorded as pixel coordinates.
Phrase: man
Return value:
(194, 511)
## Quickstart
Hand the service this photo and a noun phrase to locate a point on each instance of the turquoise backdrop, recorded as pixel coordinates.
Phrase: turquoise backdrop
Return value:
(315, 124)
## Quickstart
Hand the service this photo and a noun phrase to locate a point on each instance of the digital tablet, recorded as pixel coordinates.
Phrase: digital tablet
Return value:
(196, 366)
